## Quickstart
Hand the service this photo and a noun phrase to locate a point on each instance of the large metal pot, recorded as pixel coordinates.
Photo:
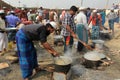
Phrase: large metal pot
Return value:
(98, 43)
(63, 64)
(93, 59)
(58, 39)
(94, 56)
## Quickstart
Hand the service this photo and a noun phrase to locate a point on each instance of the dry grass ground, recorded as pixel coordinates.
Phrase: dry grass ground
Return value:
(111, 72)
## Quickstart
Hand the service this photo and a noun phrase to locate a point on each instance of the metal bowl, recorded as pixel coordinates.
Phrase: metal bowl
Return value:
(98, 41)
(63, 64)
(58, 37)
(105, 31)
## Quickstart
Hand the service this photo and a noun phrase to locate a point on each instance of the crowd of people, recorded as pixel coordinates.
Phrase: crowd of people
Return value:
(79, 23)
(116, 6)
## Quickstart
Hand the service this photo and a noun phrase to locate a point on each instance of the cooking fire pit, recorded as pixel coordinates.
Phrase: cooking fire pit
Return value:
(93, 59)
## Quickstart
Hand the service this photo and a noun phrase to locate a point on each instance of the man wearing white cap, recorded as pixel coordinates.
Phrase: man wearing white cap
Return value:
(96, 23)
(82, 27)
(3, 35)
(27, 52)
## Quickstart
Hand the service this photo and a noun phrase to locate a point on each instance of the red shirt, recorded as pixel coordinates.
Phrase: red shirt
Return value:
(96, 20)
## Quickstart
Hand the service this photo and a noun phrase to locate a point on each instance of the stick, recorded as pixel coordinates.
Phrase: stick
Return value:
(87, 46)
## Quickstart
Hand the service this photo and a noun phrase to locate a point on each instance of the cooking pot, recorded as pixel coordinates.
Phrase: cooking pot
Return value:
(98, 43)
(94, 56)
(62, 64)
(93, 59)
(58, 40)
(58, 37)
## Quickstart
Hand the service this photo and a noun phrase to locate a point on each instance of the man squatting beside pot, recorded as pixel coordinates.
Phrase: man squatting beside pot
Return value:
(26, 50)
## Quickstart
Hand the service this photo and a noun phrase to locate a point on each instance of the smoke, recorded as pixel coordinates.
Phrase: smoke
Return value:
(73, 54)
(78, 70)
(68, 53)
(71, 51)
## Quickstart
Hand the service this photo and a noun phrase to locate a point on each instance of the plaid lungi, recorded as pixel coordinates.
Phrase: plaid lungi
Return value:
(95, 32)
(26, 53)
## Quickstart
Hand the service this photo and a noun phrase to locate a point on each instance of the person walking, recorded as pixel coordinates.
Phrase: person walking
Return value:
(111, 17)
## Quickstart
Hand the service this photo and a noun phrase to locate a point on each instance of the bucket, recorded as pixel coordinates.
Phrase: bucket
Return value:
(63, 64)
(98, 44)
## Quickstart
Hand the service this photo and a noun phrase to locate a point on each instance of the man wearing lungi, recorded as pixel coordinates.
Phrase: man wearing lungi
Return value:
(96, 23)
(81, 28)
(26, 50)
(111, 17)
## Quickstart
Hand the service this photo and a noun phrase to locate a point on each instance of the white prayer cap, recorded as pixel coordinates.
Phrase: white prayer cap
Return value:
(2, 11)
(95, 11)
(30, 9)
(23, 9)
(12, 11)
(53, 24)
(4, 7)
(82, 8)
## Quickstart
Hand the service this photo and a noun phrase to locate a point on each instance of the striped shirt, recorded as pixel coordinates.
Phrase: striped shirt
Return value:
(68, 20)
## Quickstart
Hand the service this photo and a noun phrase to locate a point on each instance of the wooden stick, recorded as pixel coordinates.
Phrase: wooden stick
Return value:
(87, 46)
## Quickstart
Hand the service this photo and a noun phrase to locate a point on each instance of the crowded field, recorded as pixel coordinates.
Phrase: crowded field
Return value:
(79, 43)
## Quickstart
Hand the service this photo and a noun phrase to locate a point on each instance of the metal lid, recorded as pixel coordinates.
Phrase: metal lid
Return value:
(104, 31)
(94, 56)
(98, 41)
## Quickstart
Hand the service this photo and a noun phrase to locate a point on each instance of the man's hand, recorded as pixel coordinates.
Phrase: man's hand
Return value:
(74, 35)
(55, 54)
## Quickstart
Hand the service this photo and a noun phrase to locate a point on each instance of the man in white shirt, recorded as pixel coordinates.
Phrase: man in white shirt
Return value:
(3, 35)
(81, 28)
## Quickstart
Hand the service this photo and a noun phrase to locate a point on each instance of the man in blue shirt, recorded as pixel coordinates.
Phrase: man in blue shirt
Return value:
(12, 21)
